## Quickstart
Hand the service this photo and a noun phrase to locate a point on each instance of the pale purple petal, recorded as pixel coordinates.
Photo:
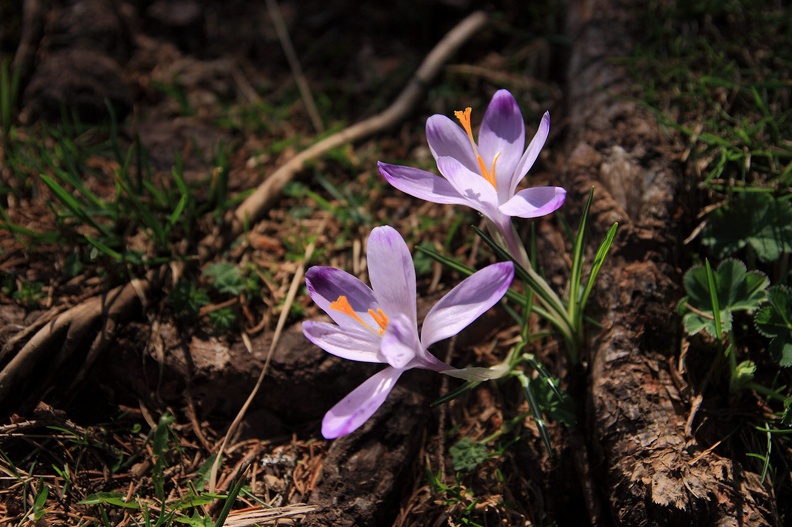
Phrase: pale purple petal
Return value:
(476, 190)
(531, 153)
(502, 132)
(327, 284)
(392, 273)
(534, 202)
(400, 342)
(421, 184)
(355, 409)
(426, 361)
(448, 139)
(466, 302)
(350, 343)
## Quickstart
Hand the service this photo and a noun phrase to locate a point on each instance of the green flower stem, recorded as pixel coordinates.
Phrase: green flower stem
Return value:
(556, 312)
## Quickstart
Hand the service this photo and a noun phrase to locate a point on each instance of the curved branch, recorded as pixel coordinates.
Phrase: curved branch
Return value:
(26, 373)
(29, 372)
(257, 204)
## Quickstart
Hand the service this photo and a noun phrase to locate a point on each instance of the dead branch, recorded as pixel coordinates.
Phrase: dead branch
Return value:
(30, 371)
(257, 204)
(27, 374)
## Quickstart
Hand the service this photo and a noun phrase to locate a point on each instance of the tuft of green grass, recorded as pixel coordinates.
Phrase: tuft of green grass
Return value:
(48, 490)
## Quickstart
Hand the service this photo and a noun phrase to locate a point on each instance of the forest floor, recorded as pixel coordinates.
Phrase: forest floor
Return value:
(156, 229)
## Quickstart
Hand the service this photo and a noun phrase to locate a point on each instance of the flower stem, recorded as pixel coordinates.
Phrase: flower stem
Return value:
(506, 236)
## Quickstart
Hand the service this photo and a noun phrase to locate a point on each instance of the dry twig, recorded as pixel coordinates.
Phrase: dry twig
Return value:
(95, 319)
(22, 378)
(257, 204)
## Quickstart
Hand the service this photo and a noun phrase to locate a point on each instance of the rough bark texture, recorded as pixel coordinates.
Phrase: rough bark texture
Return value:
(365, 473)
(654, 473)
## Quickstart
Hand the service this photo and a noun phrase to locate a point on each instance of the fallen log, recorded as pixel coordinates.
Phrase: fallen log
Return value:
(652, 472)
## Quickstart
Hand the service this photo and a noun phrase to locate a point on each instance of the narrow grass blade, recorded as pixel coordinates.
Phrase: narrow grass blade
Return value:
(72, 204)
(576, 271)
(115, 255)
(233, 492)
(599, 259)
(714, 299)
(453, 394)
(536, 412)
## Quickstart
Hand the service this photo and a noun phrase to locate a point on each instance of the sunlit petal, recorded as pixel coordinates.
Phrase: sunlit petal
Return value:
(531, 153)
(350, 343)
(400, 342)
(534, 202)
(502, 134)
(354, 409)
(466, 302)
(447, 139)
(477, 191)
(392, 273)
(421, 184)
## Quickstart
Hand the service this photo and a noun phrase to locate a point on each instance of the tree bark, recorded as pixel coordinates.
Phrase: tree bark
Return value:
(654, 474)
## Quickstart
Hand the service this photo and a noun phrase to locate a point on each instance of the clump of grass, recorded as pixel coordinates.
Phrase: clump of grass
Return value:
(715, 75)
(116, 473)
(715, 72)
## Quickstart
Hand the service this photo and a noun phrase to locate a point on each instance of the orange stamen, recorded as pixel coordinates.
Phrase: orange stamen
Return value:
(464, 119)
(342, 305)
(380, 318)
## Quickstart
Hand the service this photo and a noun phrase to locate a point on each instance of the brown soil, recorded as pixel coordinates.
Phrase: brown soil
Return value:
(112, 353)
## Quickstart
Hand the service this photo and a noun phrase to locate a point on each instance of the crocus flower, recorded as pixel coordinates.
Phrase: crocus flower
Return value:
(379, 324)
(482, 175)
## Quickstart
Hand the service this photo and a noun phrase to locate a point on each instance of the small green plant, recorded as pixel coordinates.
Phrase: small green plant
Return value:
(456, 498)
(223, 319)
(226, 278)
(467, 454)
(774, 321)
(713, 298)
(187, 298)
(29, 294)
(735, 289)
(754, 219)
(38, 509)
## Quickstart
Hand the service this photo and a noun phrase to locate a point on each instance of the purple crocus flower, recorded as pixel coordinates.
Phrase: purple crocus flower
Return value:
(483, 176)
(379, 324)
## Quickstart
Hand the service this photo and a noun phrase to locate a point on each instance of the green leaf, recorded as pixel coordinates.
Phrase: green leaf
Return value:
(596, 265)
(558, 405)
(744, 373)
(756, 219)
(786, 417)
(467, 454)
(187, 298)
(735, 290)
(41, 500)
(453, 394)
(193, 500)
(196, 520)
(774, 320)
(226, 278)
(109, 498)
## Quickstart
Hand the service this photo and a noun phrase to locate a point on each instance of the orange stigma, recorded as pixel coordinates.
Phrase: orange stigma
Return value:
(342, 305)
(464, 119)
